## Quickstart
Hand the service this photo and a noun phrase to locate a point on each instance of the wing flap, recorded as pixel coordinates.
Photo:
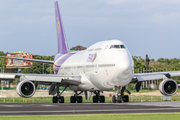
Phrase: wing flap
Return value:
(49, 78)
(71, 82)
(5, 76)
(175, 73)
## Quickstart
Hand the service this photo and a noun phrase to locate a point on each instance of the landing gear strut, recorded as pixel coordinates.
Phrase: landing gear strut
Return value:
(119, 96)
(97, 97)
(59, 98)
(76, 98)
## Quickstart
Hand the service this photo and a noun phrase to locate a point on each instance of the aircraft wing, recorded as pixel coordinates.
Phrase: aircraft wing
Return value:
(139, 78)
(44, 78)
(154, 76)
(33, 60)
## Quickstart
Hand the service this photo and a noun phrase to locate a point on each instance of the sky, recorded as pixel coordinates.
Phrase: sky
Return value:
(146, 26)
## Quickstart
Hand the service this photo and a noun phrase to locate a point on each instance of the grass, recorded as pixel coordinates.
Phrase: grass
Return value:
(142, 91)
(135, 116)
(67, 99)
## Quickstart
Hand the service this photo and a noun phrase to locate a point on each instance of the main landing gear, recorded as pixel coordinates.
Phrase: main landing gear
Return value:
(76, 98)
(97, 97)
(59, 98)
(119, 96)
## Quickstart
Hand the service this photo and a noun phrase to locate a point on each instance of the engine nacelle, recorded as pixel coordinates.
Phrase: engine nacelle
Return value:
(168, 87)
(26, 89)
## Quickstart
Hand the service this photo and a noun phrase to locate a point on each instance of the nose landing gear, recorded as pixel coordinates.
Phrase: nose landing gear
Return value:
(119, 95)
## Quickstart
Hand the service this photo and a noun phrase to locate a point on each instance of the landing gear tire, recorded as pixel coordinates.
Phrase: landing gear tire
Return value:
(61, 99)
(119, 95)
(73, 99)
(114, 99)
(58, 98)
(55, 100)
(95, 99)
(102, 99)
(79, 99)
(119, 99)
(126, 98)
(76, 98)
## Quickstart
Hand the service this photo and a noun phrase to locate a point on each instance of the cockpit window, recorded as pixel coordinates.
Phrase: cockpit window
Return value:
(117, 46)
(122, 46)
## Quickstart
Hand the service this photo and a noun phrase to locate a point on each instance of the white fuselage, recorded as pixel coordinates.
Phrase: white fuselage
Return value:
(101, 66)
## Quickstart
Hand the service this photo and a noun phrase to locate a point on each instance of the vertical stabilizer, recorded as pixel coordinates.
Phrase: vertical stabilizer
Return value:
(62, 44)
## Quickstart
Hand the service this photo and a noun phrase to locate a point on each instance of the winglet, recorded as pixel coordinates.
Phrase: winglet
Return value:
(62, 44)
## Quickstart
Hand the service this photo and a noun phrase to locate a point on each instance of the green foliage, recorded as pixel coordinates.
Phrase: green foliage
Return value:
(162, 64)
(2, 61)
(139, 64)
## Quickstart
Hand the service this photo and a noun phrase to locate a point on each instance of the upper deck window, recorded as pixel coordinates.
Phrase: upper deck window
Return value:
(97, 49)
(90, 49)
(117, 46)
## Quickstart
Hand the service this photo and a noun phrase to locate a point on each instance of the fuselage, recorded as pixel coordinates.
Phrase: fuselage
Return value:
(102, 66)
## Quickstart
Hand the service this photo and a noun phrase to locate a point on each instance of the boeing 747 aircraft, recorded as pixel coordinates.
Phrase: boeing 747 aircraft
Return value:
(106, 65)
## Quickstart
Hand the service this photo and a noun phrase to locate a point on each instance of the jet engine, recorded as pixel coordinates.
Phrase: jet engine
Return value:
(168, 87)
(26, 89)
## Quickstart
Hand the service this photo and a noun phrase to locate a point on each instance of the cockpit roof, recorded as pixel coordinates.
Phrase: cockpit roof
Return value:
(108, 43)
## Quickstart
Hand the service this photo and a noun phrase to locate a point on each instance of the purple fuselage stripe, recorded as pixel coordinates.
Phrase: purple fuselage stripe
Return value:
(61, 61)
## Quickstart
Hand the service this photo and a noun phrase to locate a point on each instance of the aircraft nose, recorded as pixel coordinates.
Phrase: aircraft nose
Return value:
(125, 73)
(124, 65)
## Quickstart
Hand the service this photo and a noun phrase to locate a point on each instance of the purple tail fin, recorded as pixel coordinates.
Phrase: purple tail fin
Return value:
(62, 45)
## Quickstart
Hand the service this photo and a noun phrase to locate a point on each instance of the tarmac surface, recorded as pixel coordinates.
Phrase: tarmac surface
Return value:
(87, 108)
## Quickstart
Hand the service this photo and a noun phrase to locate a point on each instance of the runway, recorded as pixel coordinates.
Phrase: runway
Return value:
(87, 108)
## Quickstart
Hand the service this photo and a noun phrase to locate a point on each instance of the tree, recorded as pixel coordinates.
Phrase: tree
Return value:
(78, 48)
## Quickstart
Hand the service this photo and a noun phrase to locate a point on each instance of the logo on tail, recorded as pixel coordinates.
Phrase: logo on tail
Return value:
(58, 27)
